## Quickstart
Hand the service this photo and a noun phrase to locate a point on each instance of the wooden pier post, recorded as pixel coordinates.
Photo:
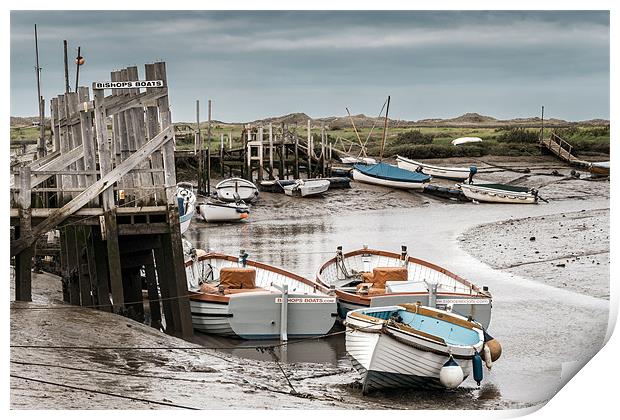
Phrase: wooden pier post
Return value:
(296, 170)
(209, 152)
(202, 188)
(282, 156)
(309, 150)
(323, 149)
(23, 260)
(153, 294)
(101, 267)
(222, 155)
(271, 151)
(259, 138)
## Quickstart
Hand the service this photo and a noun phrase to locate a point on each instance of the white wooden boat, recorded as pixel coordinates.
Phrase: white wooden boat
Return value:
(599, 169)
(244, 189)
(411, 345)
(187, 205)
(389, 176)
(216, 211)
(464, 140)
(499, 193)
(453, 173)
(351, 160)
(233, 296)
(307, 188)
(370, 278)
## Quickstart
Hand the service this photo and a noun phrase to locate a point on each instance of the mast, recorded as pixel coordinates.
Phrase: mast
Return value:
(40, 101)
(385, 128)
(356, 133)
(77, 68)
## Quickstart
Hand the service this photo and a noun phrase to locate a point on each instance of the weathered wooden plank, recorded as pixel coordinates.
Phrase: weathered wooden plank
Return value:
(76, 134)
(61, 162)
(152, 128)
(103, 148)
(65, 146)
(92, 212)
(114, 262)
(88, 139)
(54, 124)
(94, 190)
(145, 180)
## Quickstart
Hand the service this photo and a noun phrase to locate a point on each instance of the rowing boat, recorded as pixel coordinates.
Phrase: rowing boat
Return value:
(366, 278)
(499, 193)
(411, 345)
(234, 296)
(228, 190)
(389, 176)
(307, 188)
(453, 173)
(186, 200)
(217, 211)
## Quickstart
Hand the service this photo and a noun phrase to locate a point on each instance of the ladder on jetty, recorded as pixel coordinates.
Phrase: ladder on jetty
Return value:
(562, 149)
(97, 186)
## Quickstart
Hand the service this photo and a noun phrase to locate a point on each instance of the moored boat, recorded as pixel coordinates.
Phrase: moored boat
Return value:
(389, 176)
(186, 200)
(453, 173)
(217, 211)
(370, 278)
(411, 345)
(233, 296)
(465, 140)
(307, 188)
(246, 190)
(599, 169)
(499, 193)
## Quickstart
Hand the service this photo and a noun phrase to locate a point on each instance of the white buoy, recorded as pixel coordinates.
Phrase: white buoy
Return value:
(451, 374)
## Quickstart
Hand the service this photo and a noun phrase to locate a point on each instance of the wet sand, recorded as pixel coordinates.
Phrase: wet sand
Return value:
(543, 325)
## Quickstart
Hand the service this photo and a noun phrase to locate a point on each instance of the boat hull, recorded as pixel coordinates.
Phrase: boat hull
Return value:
(223, 212)
(496, 196)
(455, 174)
(186, 220)
(388, 357)
(256, 315)
(360, 177)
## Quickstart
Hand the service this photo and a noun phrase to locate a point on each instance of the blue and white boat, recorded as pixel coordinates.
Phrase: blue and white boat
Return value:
(411, 345)
(186, 200)
(389, 176)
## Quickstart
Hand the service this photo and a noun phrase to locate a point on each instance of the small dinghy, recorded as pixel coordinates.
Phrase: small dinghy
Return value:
(349, 160)
(411, 345)
(217, 211)
(389, 176)
(465, 140)
(307, 188)
(369, 278)
(227, 189)
(186, 200)
(499, 193)
(453, 173)
(233, 296)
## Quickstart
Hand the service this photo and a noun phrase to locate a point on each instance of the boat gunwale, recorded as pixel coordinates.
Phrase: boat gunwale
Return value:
(319, 277)
(443, 168)
(244, 183)
(263, 266)
(482, 187)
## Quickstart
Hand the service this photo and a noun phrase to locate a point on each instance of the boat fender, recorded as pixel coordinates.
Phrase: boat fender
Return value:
(494, 346)
(477, 367)
(488, 361)
(451, 374)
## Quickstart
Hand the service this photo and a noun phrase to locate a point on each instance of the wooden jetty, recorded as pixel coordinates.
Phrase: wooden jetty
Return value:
(108, 186)
(266, 152)
(563, 150)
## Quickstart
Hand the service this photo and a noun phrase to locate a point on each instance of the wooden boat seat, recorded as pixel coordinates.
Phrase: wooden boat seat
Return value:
(238, 277)
(368, 289)
(380, 275)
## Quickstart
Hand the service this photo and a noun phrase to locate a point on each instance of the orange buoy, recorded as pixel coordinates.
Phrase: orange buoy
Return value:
(79, 60)
(494, 346)
(244, 215)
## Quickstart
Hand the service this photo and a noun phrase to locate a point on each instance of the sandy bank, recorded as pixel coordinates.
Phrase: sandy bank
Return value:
(567, 250)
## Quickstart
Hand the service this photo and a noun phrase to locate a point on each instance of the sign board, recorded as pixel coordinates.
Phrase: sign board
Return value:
(308, 300)
(440, 301)
(131, 84)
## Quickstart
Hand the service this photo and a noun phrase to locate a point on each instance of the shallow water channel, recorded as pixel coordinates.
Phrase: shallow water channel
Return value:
(543, 330)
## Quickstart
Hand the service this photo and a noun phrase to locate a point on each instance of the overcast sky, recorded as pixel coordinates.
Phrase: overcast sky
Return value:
(259, 64)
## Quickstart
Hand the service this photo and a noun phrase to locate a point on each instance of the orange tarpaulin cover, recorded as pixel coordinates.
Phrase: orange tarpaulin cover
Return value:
(238, 278)
(382, 274)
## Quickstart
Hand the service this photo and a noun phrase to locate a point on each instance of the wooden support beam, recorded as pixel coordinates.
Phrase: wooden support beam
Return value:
(84, 274)
(152, 128)
(94, 190)
(61, 162)
(114, 261)
(271, 151)
(23, 260)
(73, 271)
(101, 266)
(153, 294)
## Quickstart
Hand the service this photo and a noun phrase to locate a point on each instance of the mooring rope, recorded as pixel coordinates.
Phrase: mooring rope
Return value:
(111, 394)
